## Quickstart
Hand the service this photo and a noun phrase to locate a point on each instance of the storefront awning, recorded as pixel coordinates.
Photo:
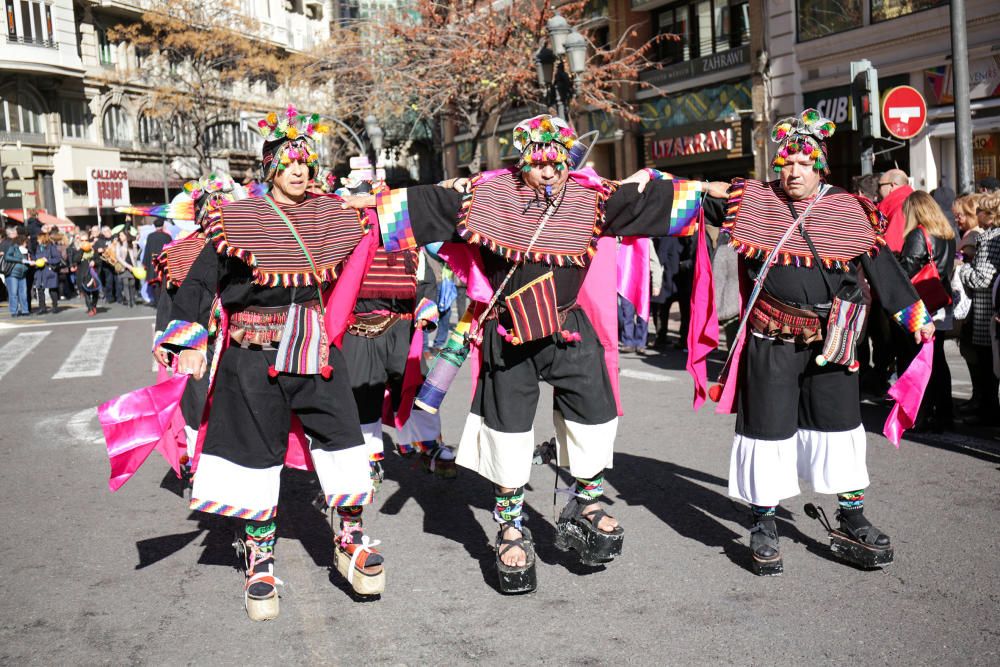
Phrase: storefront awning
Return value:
(43, 217)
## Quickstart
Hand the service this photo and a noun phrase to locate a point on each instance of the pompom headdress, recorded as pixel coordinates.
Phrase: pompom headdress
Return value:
(196, 198)
(806, 134)
(289, 136)
(545, 138)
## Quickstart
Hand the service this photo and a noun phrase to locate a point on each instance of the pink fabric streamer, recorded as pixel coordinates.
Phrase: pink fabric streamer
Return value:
(339, 302)
(138, 422)
(703, 333)
(467, 265)
(633, 273)
(909, 392)
(412, 378)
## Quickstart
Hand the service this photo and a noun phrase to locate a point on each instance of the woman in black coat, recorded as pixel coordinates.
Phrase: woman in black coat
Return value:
(929, 236)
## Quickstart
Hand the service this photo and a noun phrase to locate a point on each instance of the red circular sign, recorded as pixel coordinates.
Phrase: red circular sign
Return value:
(904, 112)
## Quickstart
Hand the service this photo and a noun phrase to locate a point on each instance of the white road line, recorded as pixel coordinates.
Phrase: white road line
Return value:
(18, 348)
(87, 358)
(644, 375)
(4, 326)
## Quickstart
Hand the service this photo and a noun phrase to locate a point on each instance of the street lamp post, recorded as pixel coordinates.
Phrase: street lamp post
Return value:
(375, 139)
(569, 47)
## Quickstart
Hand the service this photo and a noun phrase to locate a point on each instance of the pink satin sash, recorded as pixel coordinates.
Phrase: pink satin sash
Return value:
(703, 333)
(909, 392)
(633, 273)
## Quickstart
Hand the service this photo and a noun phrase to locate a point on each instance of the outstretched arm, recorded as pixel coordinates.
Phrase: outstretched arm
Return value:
(897, 294)
(413, 217)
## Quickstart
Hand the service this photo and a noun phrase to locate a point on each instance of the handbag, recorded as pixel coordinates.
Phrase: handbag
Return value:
(927, 281)
(6, 266)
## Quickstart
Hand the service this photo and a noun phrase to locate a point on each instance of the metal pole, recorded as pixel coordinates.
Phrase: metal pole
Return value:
(960, 90)
(163, 160)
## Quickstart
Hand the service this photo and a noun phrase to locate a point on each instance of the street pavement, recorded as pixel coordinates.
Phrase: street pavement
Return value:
(133, 577)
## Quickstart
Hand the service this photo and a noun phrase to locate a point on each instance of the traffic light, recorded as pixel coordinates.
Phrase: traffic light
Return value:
(865, 108)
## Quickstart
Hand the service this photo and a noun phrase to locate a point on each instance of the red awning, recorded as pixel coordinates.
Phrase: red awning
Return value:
(43, 217)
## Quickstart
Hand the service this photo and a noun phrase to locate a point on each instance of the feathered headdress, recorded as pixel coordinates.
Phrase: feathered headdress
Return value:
(806, 134)
(196, 197)
(289, 137)
(545, 138)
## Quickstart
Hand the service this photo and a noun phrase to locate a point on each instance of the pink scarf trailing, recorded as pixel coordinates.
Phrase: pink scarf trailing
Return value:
(633, 273)
(703, 332)
(140, 421)
(909, 392)
(596, 297)
(136, 423)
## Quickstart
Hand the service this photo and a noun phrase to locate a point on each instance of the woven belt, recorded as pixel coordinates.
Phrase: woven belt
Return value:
(776, 319)
(261, 325)
(372, 325)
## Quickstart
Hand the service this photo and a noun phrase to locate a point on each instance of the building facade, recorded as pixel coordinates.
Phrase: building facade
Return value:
(810, 45)
(72, 101)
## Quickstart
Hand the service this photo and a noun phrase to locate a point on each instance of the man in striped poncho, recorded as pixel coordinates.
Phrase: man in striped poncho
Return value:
(796, 395)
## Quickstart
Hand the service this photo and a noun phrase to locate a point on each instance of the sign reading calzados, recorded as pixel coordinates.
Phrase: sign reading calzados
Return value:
(107, 188)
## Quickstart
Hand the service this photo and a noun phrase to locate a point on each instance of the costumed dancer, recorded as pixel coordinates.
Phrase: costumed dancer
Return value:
(792, 375)
(532, 232)
(286, 268)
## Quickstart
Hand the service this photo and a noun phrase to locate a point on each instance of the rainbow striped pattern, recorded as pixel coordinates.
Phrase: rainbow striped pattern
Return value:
(852, 500)
(685, 207)
(179, 334)
(221, 509)
(394, 220)
(304, 347)
(914, 317)
(351, 499)
(426, 310)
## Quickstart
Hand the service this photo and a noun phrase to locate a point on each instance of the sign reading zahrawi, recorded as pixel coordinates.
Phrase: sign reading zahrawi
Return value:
(107, 188)
(904, 112)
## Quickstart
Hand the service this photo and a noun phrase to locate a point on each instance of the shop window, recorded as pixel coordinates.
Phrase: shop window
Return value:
(818, 18)
(21, 116)
(116, 128)
(883, 10)
(76, 119)
(704, 28)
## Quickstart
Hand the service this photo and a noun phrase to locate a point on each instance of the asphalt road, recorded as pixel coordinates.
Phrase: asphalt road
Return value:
(133, 577)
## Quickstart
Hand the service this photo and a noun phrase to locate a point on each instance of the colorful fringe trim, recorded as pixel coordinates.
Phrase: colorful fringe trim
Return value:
(852, 500)
(427, 310)
(351, 499)
(394, 220)
(914, 317)
(213, 507)
(180, 334)
(557, 259)
(751, 251)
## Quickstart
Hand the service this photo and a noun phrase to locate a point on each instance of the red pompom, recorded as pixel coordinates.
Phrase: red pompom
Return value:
(272, 372)
(715, 392)
(326, 372)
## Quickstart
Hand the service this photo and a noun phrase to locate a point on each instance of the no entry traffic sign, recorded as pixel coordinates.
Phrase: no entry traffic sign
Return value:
(904, 112)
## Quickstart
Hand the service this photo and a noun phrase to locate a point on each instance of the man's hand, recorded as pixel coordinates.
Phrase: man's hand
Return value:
(718, 189)
(192, 362)
(162, 357)
(925, 334)
(359, 201)
(640, 178)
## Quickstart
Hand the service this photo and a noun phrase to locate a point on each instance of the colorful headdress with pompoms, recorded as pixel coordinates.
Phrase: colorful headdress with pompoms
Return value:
(289, 137)
(805, 134)
(195, 199)
(545, 138)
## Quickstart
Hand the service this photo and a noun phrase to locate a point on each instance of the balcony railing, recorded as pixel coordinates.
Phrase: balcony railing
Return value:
(33, 41)
(23, 137)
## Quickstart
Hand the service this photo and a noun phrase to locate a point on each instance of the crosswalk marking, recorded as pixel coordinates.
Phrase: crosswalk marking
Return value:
(87, 358)
(18, 348)
(645, 375)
